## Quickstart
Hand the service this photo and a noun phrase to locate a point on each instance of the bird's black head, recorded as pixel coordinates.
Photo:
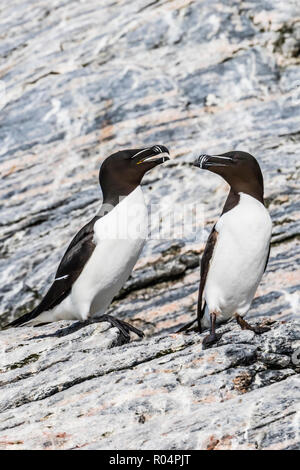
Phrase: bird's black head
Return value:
(123, 171)
(240, 169)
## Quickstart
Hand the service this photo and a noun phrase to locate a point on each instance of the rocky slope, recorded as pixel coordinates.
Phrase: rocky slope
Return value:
(64, 386)
(79, 80)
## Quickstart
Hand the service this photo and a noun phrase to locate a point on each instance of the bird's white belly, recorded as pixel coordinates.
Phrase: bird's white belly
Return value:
(106, 272)
(239, 259)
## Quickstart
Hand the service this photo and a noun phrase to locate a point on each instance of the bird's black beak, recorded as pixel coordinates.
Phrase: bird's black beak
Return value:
(157, 153)
(212, 161)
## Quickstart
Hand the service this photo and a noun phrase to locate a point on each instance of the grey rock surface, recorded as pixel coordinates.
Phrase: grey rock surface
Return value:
(64, 386)
(78, 81)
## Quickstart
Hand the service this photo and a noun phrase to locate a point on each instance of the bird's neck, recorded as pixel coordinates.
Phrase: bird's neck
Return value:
(233, 197)
(111, 198)
(232, 200)
(254, 189)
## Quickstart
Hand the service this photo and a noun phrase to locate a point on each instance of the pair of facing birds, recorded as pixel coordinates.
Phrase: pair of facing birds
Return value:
(95, 266)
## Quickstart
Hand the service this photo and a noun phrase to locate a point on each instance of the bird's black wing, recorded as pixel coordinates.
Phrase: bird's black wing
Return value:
(205, 262)
(204, 267)
(77, 254)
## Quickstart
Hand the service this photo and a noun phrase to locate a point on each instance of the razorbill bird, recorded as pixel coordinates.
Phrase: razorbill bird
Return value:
(103, 253)
(238, 247)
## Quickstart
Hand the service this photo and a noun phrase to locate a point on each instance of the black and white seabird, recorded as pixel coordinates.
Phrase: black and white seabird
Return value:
(238, 247)
(102, 254)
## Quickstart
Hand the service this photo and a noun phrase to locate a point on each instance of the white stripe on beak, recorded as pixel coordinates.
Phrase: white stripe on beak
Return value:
(141, 151)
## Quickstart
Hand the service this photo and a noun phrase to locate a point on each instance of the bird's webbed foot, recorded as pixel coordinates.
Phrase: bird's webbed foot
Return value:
(210, 339)
(122, 326)
(258, 330)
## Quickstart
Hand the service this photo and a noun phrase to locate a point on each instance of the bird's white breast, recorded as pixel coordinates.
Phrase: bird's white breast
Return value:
(119, 237)
(239, 258)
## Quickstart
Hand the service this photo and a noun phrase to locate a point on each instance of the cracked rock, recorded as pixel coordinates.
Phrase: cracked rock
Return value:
(65, 387)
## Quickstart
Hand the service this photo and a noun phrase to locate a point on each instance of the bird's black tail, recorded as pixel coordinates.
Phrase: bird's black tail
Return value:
(198, 319)
(23, 319)
(186, 326)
